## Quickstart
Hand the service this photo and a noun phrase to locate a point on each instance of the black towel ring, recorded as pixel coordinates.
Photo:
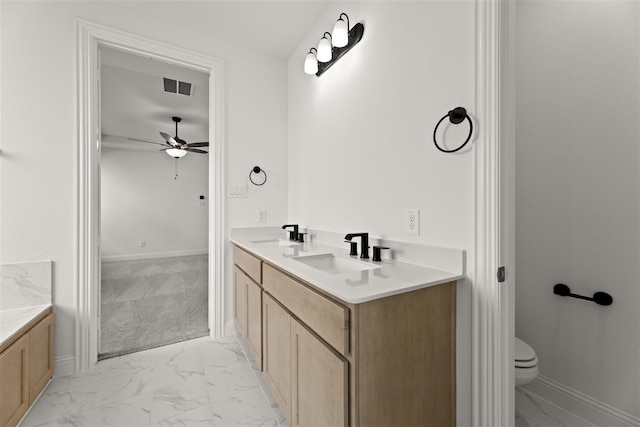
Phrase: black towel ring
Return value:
(256, 170)
(456, 116)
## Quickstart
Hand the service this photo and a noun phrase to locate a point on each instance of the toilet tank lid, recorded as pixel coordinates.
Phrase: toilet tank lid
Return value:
(523, 351)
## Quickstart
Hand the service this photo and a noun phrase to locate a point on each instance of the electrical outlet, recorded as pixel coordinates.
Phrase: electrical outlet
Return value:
(143, 243)
(412, 222)
(262, 215)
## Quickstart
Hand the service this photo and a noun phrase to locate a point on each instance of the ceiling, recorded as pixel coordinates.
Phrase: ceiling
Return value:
(272, 27)
(134, 105)
(133, 102)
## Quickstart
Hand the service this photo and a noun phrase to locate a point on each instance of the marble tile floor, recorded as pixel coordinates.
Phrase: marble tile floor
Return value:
(200, 382)
(533, 411)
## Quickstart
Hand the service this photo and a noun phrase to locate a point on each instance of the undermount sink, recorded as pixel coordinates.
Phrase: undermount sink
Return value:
(274, 242)
(330, 264)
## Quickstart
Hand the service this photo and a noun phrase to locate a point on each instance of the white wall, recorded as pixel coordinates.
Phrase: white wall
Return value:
(577, 193)
(360, 148)
(38, 135)
(143, 200)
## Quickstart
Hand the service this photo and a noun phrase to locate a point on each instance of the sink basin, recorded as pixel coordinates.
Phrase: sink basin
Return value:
(274, 242)
(330, 264)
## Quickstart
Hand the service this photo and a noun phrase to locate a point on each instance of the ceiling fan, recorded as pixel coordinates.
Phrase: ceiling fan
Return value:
(175, 146)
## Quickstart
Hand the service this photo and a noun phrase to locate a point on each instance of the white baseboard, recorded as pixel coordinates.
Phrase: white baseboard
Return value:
(230, 328)
(64, 366)
(580, 404)
(153, 255)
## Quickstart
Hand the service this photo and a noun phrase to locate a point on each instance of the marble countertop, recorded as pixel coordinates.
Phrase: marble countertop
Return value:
(378, 280)
(13, 319)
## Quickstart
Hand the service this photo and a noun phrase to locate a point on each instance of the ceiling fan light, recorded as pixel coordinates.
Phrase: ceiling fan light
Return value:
(176, 152)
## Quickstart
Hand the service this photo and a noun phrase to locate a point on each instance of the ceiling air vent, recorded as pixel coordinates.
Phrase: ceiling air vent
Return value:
(175, 86)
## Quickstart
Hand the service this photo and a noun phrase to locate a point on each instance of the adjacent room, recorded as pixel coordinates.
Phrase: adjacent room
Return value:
(154, 222)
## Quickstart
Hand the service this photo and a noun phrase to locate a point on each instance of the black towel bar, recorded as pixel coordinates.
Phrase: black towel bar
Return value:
(601, 298)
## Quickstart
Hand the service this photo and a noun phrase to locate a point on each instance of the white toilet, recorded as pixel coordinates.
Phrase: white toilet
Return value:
(526, 362)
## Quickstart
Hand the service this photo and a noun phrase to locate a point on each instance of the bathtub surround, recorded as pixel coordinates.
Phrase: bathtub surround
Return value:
(151, 303)
(25, 291)
(25, 284)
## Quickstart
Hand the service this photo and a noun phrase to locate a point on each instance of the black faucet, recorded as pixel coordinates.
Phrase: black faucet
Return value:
(364, 243)
(293, 235)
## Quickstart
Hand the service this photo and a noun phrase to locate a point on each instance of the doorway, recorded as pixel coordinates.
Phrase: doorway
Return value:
(90, 37)
(153, 206)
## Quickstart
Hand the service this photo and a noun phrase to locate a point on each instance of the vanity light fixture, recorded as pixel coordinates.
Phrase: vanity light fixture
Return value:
(324, 48)
(340, 34)
(331, 49)
(310, 62)
(176, 152)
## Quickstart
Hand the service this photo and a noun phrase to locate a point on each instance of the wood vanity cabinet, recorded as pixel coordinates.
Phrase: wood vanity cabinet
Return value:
(248, 301)
(309, 380)
(26, 366)
(386, 362)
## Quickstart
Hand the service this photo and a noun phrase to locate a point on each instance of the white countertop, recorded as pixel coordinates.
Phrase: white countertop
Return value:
(382, 279)
(14, 319)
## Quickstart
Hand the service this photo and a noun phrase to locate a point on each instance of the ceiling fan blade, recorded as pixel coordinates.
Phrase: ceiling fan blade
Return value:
(142, 140)
(197, 144)
(195, 150)
(180, 140)
(169, 139)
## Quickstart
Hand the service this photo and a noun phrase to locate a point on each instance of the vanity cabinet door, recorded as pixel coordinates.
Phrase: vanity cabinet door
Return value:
(40, 356)
(14, 382)
(240, 300)
(320, 379)
(276, 323)
(254, 320)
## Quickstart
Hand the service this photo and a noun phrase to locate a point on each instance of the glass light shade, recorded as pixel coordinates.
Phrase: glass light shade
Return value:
(340, 34)
(176, 152)
(324, 50)
(310, 64)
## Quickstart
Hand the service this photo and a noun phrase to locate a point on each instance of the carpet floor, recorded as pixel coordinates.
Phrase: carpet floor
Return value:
(152, 303)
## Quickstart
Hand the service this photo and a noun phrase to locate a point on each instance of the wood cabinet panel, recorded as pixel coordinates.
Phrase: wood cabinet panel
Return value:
(14, 382)
(251, 265)
(276, 323)
(406, 359)
(320, 379)
(40, 356)
(254, 321)
(325, 317)
(240, 300)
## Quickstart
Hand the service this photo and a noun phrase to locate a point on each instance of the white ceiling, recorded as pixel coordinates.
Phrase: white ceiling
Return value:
(272, 27)
(133, 101)
(135, 105)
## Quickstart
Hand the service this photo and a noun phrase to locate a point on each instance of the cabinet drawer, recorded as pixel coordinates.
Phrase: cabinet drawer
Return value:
(325, 317)
(248, 263)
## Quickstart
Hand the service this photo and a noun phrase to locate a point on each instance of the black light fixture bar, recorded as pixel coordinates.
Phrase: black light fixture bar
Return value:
(355, 35)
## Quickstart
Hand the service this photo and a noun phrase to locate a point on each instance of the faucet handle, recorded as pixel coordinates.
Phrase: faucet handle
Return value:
(353, 247)
(376, 253)
(301, 237)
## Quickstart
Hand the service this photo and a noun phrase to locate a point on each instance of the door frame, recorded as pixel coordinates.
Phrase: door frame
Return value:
(493, 302)
(89, 36)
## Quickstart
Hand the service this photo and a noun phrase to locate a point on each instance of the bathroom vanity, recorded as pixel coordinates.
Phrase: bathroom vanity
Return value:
(346, 342)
